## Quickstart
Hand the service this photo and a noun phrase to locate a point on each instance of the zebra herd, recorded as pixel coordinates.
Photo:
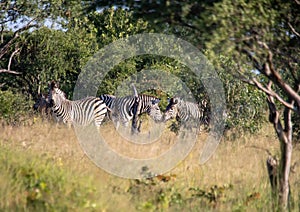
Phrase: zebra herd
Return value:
(123, 107)
(121, 110)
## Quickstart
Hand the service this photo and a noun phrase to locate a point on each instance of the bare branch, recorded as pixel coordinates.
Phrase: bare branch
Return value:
(270, 72)
(288, 121)
(5, 48)
(287, 117)
(1, 34)
(293, 30)
(9, 71)
(11, 56)
(274, 117)
(268, 90)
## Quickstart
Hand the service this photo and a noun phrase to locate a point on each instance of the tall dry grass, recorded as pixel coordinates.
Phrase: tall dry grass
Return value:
(235, 178)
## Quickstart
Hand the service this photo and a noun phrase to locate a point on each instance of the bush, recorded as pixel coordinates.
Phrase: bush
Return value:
(39, 183)
(14, 107)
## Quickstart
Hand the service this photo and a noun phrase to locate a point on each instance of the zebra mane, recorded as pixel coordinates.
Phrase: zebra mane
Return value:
(108, 95)
(151, 96)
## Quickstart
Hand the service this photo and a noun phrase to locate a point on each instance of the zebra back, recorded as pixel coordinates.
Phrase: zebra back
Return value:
(123, 107)
(108, 100)
(81, 112)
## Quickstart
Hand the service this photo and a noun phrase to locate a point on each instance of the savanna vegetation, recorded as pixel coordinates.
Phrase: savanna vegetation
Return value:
(254, 47)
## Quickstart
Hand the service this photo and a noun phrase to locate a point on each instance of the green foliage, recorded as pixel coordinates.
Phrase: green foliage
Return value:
(248, 32)
(214, 195)
(14, 107)
(163, 196)
(57, 51)
(182, 18)
(37, 184)
(113, 24)
(48, 54)
(246, 105)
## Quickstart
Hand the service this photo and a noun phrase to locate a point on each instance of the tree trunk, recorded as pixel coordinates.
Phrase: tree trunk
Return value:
(279, 176)
(285, 166)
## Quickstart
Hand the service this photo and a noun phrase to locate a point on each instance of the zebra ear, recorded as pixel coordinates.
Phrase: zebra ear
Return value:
(175, 100)
(53, 85)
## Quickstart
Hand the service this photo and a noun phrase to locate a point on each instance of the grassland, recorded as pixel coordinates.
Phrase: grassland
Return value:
(43, 168)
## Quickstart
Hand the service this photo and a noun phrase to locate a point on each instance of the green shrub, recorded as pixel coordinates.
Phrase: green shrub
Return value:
(36, 183)
(14, 107)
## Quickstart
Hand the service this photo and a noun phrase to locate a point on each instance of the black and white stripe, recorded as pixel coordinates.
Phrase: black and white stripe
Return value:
(122, 108)
(184, 111)
(80, 112)
(108, 100)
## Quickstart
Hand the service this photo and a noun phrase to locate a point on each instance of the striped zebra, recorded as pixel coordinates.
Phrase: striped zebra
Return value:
(122, 108)
(109, 101)
(188, 113)
(80, 112)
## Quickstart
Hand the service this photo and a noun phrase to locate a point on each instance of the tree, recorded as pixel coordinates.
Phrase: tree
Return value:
(17, 17)
(263, 37)
(183, 18)
(43, 41)
(245, 105)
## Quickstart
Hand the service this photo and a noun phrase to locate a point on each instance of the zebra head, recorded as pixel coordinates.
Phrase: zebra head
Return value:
(172, 109)
(154, 110)
(41, 102)
(56, 96)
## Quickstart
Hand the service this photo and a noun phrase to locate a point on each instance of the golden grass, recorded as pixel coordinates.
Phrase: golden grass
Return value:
(240, 163)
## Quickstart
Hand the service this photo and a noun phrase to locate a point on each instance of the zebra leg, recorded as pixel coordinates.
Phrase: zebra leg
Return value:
(139, 126)
(117, 124)
(69, 124)
(135, 128)
(99, 120)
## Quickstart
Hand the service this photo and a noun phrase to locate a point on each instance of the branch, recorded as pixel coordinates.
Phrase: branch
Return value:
(10, 59)
(270, 72)
(268, 90)
(9, 71)
(1, 34)
(293, 30)
(5, 48)
(274, 117)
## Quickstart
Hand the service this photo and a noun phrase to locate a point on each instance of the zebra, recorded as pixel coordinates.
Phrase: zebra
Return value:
(122, 108)
(42, 105)
(79, 112)
(188, 113)
(109, 101)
